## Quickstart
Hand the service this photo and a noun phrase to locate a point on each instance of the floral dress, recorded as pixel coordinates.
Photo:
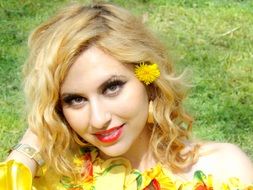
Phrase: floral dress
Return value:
(111, 174)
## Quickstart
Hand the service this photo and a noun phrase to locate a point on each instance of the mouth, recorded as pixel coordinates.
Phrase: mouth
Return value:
(110, 135)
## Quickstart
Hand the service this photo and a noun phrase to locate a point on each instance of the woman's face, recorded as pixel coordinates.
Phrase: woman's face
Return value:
(103, 102)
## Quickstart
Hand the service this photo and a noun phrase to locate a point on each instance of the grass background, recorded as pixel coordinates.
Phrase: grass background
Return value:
(214, 39)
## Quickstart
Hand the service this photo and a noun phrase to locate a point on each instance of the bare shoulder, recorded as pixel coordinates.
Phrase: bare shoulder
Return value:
(224, 160)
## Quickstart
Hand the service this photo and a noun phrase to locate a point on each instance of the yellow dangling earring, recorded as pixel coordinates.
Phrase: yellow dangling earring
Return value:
(150, 113)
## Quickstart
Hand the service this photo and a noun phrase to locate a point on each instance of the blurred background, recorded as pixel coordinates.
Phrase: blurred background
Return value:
(211, 38)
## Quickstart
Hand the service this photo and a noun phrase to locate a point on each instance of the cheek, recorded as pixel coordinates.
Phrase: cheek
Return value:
(76, 119)
(133, 102)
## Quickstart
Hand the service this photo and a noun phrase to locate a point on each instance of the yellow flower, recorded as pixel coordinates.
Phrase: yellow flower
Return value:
(77, 161)
(147, 73)
(157, 178)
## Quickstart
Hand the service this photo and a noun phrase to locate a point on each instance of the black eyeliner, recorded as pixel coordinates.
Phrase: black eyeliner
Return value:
(115, 81)
(68, 98)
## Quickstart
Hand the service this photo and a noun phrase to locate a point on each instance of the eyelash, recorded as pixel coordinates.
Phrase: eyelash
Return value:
(114, 83)
(71, 99)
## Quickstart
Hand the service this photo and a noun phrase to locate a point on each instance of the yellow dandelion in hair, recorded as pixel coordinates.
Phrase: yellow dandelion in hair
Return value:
(147, 73)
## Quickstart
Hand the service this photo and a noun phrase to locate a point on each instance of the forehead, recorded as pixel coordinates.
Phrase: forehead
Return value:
(94, 66)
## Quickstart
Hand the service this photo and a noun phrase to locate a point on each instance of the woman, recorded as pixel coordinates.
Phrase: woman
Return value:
(96, 78)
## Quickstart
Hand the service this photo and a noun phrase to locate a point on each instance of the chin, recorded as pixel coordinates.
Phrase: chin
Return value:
(113, 152)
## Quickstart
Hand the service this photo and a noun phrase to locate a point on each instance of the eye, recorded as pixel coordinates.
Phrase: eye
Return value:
(113, 87)
(74, 100)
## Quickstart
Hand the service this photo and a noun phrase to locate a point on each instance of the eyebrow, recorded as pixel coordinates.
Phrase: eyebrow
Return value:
(101, 86)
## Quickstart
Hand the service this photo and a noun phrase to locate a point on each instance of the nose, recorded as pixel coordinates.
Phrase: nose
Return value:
(100, 116)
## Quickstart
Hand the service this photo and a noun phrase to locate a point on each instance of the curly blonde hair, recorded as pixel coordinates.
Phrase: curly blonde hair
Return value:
(55, 45)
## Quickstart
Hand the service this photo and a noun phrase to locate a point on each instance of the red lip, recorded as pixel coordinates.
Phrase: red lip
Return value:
(110, 135)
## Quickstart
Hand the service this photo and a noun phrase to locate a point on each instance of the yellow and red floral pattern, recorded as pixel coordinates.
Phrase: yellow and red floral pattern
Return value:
(116, 173)
(113, 174)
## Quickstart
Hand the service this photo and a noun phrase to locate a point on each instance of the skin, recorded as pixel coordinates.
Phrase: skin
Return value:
(97, 108)
(90, 106)
(227, 160)
(94, 106)
(31, 139)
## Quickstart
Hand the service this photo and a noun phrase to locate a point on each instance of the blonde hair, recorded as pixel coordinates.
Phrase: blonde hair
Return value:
(56, 44)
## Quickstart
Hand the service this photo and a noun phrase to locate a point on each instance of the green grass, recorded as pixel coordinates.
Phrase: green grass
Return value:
(214, 39)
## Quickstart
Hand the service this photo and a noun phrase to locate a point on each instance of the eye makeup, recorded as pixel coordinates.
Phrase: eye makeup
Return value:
(73, 99)
(112, 86)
